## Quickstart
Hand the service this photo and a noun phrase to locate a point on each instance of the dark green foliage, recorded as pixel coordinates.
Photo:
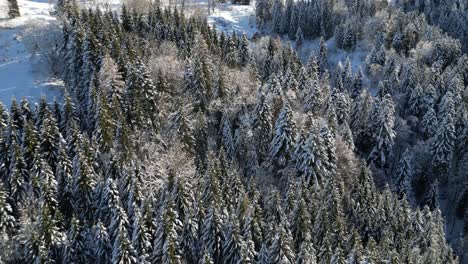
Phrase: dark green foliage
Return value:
(13, 9)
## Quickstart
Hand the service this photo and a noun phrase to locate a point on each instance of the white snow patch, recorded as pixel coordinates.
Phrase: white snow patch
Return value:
(20, 75)
(234, 18)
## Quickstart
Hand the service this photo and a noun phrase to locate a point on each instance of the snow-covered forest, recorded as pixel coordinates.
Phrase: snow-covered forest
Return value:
(271, 131)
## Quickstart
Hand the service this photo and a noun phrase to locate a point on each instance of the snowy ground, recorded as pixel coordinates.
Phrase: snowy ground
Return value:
(21, 73)
(230, 18)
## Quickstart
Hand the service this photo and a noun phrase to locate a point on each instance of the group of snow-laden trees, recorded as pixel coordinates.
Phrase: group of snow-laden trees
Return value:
(450, 15)
(176, 144)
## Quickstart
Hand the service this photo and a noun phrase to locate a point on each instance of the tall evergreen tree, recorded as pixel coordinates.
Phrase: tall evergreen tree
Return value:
(13, 9)
(281, 146)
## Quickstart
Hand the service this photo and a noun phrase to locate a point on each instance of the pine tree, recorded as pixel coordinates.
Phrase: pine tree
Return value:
(322, 57)
(13, 9)
(301, 226)
(48, 187)
(357, 85)
(140, 237)
(281, 250)
(310, 162)
(430, 198)
(171, 253)
(244, 53)
(111, 82)
(402, 180)
(261, 124)
(142, 98)
(234, 246)
(212, 234)
(50, 139)
(277, 16)
(83, 187)
(429, 123)
(416, 101)
(299, 37)
(122, 248)
(201, 144)
(385, 134)
(198, 75)
(262, 257)
(206, 258)
(281, 146)
(443, 144)
(103, 250)
(7, 220)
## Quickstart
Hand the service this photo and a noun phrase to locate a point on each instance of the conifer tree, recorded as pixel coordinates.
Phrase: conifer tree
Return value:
(281, 146)
(311, 160)
(429, 123)
(443, 145)
(13, 9)
(83, 187)
(402, 180)
(244, 53)
(122, 248)
(385, 134)
(212, 234)
(111, 82)
(262, 127)
(7, 220)
(322, 59)
(430, 198)
(234, 246)
(281, 250)
(357, 84)
(262, 257)
(306, 252)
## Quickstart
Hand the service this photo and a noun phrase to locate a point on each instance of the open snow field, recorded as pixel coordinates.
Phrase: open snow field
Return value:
(234, 18)
(21, 73)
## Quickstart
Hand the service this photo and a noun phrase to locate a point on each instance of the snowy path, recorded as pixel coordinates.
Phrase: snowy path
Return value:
(19, 76)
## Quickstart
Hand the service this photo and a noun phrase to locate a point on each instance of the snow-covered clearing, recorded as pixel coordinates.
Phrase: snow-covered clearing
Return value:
(234, 18)
(21, 72)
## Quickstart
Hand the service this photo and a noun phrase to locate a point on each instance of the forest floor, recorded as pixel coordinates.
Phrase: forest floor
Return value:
(21, 73)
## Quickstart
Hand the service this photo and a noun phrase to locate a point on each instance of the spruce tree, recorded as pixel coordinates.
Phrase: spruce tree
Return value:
(13, 9)
(262, 127)
(429, 123)
(281, 250)
(322, 57)
(384, 131)
(234, 246)
(281, 146)
(443, 144)
(7, 220)
(402, 180)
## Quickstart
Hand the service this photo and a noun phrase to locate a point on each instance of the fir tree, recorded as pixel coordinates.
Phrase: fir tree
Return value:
(7, 220)
(281, 146)
(280, 250)
(234, 246)
(103, 250)
(402, 180)
(262, 127)
(322, 57)
(13, 9)
(429, 123)
(385, 134)
(443, 145)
